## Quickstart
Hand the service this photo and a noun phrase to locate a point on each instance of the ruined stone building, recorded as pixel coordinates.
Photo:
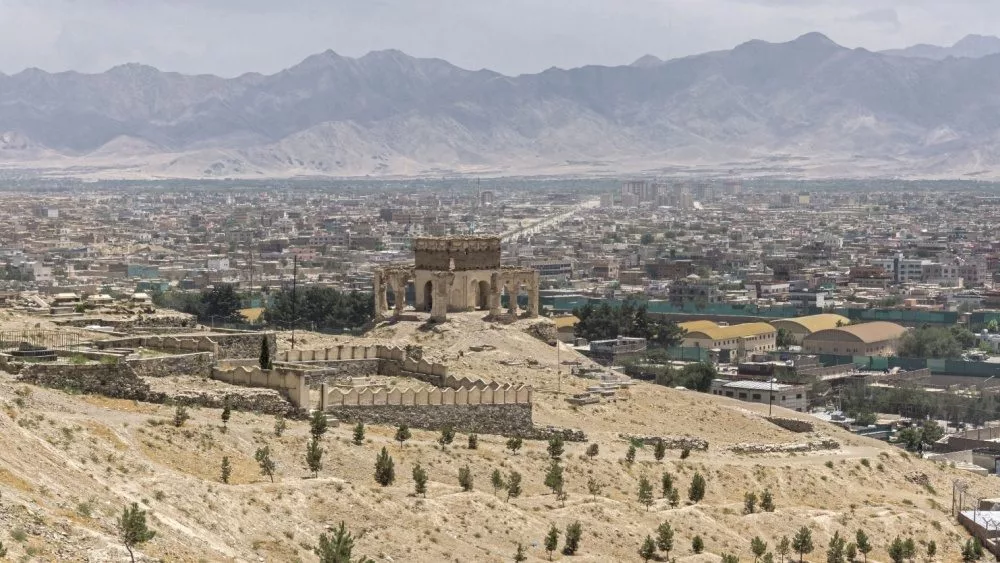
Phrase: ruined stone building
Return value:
(453, 274)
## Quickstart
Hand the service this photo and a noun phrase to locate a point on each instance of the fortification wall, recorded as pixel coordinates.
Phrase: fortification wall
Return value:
(391, 361)
(492, 394)
(264, 401)
(342, 352)
(293, 384)
(502, 419)
(457, 253)
(199, 363)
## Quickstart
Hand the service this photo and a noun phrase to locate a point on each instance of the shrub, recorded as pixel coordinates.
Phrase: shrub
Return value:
(697, 490)
(513, 485)
(314, 456)
(267, 465)
(402, 434)
(514, 443)
(648, 549)
(767, 501)
(447, 436)
(685, 453)
(385, 472)
(318, 424)
(592, 451)
(573, 534)
(227, 469)
(359, 433)
(630, 454)
(337, 549)
(132, 529)
(697, 544)
(556, 447)
(279, 425)
(749, 503)
(660, 450)
(419, 480)
(496, 479)
(473, 442)
(465, 478)
(180, 416)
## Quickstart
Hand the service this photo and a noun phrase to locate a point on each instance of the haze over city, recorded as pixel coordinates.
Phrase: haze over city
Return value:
(231, 37)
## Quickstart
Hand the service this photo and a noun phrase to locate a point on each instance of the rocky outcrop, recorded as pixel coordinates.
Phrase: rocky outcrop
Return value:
(792, 424)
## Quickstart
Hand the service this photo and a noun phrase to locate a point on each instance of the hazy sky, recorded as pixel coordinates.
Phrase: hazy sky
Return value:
(229, 37)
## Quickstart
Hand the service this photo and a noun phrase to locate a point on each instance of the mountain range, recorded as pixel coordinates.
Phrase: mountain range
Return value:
(970, 46)
(805, 107)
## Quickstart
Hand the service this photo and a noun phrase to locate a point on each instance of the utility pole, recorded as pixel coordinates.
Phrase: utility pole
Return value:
(558, 367)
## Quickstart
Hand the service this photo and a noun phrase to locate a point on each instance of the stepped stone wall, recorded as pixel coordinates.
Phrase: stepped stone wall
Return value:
(199, 363)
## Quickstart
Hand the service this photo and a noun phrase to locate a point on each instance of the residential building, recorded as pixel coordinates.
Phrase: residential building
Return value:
(792, 397)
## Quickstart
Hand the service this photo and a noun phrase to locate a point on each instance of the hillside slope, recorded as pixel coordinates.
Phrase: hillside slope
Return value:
(71, 463)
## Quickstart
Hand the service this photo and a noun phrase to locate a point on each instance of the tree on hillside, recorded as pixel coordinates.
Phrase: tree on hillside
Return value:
(556, 447)
(554, 477)
(697, 490)
(665, 539)
(802, 543)
(896, 551)
(863, 543)
(697, 544)
(783, 548)
(267, 465)
(385, 472)
(314, 456)
(698, 376)
(359, 434)
(227, 469)
(666, 483)
(402, 434)
(132, 529)
(767, 501)
(659, 450)
(645, 492)
(648, 549)
(758, 547)
(419, 480)
(573, 534)
(552, 540)
(264, 358)
(318, 424)
(630, 318)
(497, 481)
(750, 503)
(514, 443)
(835, 549)
(513, 485)
(227, 412)
(520, 553)
(338, 548)
(465, 478)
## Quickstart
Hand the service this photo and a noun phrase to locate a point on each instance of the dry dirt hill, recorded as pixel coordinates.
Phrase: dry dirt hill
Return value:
(70, 463)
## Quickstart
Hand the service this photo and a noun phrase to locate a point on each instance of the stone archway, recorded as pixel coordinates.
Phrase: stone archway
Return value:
(483, 296)
(428, 296)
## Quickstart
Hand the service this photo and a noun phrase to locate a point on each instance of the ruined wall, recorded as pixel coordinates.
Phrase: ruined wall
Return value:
(341, 352)
(118, 381)
(264, 401)
(224, 346)
(461, 253)
(390, 361)
(199, 363)
(505, 419)
(293, 384)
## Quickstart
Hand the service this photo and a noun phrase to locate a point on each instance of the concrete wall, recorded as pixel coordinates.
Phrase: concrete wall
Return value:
(293, 384)
(503, 419)
(199, 363)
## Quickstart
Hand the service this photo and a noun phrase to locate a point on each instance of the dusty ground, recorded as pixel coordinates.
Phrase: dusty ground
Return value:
(70, 463)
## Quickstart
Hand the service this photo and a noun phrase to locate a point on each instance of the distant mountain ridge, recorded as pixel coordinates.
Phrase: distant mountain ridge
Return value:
(970, 46)
(808, 104)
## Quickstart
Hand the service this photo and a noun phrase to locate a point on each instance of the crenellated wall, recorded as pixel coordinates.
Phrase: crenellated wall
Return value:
(292, 383)
(491, 394)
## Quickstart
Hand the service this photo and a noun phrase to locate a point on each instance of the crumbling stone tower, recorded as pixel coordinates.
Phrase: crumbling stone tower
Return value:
(456, 274)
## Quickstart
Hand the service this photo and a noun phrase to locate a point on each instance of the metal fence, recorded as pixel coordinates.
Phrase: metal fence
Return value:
(37, 339)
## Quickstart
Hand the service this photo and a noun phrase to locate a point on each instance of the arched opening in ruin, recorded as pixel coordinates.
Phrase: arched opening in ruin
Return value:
(483, 296)
(428, 296)
(390, 297)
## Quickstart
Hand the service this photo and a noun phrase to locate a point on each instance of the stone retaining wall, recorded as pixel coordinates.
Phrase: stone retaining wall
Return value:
(506, 420)
(791, 424)
(672, 442)
(816, 445)
(118, 381)
(199, 364)
(264, 401)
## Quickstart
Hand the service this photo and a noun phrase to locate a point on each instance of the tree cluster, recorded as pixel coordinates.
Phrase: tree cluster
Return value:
(321, 308)
(631, 318)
